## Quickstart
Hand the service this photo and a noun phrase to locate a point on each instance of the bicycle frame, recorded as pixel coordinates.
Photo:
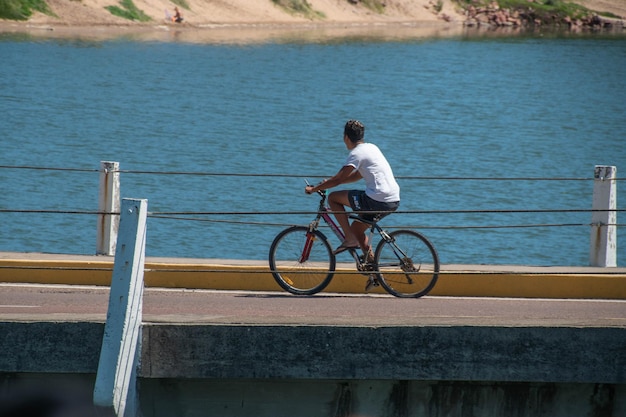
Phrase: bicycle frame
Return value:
(323, 213)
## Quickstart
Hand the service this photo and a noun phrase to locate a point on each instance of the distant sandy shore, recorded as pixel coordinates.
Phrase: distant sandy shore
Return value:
(243, 33)
(245, 21)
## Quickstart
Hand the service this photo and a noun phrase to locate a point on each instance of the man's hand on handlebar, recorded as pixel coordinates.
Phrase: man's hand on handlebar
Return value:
(309, 188)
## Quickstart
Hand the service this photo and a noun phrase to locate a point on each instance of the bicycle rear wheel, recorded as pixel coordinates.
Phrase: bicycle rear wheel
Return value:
(302, 262)
(408, 265)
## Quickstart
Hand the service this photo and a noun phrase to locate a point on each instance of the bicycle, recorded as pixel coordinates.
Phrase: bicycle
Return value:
(302, 262)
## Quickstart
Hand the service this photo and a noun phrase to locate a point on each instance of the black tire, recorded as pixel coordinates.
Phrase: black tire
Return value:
(407, 265)
(296, 275)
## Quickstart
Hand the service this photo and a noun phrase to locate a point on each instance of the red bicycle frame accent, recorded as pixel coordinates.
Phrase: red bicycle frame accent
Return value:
(333, 226)
(306, 251)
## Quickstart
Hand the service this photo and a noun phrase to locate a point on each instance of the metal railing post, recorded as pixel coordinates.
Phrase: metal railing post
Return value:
(108, 202)
(116, 380)
(603, 248)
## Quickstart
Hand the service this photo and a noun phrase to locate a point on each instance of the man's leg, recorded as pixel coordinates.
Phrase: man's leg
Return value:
(338, 201)
(359, 229)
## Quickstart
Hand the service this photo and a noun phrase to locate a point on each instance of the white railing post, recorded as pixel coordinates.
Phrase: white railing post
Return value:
(115, 388)
(603, 248)
(108, 202)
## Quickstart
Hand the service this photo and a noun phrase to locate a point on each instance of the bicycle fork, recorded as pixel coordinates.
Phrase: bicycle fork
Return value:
(308, 244)
(310, 234)
(309, 241)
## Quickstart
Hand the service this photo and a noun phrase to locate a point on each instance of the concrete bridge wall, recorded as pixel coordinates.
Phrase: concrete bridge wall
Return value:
(226, 370)
(70, 395)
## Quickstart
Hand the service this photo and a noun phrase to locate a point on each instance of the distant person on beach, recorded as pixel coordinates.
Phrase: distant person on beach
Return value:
(381, 195)
(177, 18)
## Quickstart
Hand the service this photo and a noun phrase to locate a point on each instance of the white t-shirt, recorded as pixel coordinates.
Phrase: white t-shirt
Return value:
(380, 183)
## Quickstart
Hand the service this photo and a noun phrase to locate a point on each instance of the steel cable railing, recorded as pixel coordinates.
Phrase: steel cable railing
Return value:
(235, 174)
(254, 218)
(181, 216)
(192, 215)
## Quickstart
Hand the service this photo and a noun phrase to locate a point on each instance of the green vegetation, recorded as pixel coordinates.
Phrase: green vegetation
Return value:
(376, 5)
(128, 11)
(22, 9)
(544, 10)
(547, 9)
(182, 3)
(299, 7)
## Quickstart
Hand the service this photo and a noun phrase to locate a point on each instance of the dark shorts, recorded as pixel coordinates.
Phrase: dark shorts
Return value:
(359, 201)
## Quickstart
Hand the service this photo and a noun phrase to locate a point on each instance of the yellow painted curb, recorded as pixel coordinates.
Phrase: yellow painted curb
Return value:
(550, 285)
(259, 278)
(56, 272)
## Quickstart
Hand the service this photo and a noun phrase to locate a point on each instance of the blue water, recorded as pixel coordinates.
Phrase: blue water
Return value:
(441, 109)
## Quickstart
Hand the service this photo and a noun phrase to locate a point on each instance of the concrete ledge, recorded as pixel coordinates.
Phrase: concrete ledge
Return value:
(454, 280)
(447, 353)
(50, 347)
(457, 353)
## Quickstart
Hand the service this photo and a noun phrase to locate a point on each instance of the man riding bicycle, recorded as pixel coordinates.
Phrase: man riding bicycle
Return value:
(381, 194)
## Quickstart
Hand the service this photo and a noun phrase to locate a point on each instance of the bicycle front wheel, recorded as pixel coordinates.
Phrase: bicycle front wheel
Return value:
(408, 265)
(302, 262)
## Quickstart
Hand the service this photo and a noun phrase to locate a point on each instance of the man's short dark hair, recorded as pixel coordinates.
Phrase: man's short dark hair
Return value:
(354, 130)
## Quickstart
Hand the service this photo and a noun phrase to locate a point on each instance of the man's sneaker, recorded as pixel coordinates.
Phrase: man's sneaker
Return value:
(371, 283)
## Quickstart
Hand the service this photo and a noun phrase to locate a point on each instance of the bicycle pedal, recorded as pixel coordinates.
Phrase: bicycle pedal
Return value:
(371, 283)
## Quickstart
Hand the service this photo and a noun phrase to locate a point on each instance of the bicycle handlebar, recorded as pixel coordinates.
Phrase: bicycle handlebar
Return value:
(320, 192)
